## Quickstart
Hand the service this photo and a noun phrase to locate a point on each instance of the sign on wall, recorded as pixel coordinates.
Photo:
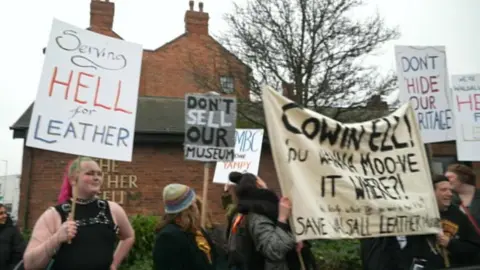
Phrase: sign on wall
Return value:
(87, 98)
(423, 81)
(351, 180)
(466, 108)
(117, 186)
(248, 149)
(210, 127)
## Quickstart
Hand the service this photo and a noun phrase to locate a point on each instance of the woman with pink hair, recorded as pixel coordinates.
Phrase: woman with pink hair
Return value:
(88, 242)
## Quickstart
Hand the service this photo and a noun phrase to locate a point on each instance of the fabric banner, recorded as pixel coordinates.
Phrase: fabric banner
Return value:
(351, 180)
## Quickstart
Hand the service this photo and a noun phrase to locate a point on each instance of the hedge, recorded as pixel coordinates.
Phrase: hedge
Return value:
(335, 254)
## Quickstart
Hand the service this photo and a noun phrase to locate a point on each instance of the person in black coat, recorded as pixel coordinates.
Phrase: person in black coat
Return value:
(181, 243)
(12, 244)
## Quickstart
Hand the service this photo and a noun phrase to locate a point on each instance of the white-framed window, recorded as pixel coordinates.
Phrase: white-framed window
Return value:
(227, 85)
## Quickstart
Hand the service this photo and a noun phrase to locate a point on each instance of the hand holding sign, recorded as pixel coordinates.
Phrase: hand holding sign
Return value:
(67, 231)
(284, 209)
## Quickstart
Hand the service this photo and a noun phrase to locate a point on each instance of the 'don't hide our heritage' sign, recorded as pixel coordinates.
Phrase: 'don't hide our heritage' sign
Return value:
(357, 180)
(86, 102)
(210, 122)
(423, 81)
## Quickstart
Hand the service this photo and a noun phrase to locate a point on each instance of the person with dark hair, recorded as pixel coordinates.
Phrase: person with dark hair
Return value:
(12, 244)
(458, 244)
(466, 196)
(268, 242)
(381, 253)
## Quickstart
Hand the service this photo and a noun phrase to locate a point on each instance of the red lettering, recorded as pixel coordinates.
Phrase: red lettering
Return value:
(433, 84)
(473, 102)
(477, 102)
(95, 101)
(422, 85)
(55, 81)
(79, 84)
(117, 99)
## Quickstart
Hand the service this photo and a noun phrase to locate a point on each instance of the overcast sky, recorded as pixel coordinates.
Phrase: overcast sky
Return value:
(25, 25)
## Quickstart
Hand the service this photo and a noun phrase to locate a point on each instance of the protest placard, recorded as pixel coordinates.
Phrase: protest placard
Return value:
(248, 149)
(423, 81)
(86, 102)
(466, 111)
(351, 180)
(210, 127)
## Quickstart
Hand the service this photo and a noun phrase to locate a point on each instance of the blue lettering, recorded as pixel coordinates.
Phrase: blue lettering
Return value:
(246, 141)
(85, 126)
(70, 129)
(109, 135)
(102, 134)
(35, 134)
(51, 127)
(122, 137)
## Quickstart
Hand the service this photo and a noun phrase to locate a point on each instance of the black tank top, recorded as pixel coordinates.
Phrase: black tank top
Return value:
(93, 246)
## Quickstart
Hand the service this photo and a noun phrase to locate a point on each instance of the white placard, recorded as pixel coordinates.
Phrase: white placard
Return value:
(87, 97)
(466, 109)
(423, 80)
(248, 149)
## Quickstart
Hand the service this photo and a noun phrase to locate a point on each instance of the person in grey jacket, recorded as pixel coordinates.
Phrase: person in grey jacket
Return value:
(274, 246)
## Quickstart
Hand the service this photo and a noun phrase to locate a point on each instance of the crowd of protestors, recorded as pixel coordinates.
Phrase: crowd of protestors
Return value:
(457, 245)
(256, 235)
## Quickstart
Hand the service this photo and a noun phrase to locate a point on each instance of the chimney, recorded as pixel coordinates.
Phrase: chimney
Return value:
(101, 14)
(289, 91)
(196, 22)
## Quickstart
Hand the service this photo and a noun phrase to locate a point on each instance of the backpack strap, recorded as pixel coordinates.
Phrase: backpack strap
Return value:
(64, 210)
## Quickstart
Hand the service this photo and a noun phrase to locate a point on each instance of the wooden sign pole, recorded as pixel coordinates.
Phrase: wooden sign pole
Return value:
(206, 172)
(71, 217)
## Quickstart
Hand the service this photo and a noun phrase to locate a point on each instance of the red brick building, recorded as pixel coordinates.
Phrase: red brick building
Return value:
(192, 62)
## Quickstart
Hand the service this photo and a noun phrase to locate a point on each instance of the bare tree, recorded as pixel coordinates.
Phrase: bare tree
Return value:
(314, 48)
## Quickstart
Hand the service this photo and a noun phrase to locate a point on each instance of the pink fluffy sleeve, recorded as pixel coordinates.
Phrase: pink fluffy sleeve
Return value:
(44, 241)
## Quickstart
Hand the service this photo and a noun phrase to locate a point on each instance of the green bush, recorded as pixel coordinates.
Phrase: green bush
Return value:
(140, 256)
(337, 254)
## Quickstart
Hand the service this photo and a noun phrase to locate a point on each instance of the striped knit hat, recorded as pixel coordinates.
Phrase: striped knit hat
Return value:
(177, 197)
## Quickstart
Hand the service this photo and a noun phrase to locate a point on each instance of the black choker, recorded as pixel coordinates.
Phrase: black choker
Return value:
(85, 201)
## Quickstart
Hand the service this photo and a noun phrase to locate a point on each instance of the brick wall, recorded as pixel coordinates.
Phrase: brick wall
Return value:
(155, 167)
(191, 63)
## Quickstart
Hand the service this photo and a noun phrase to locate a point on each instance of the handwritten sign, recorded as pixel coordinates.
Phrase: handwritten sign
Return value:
(210, 127)
(466, 110)
(351, 180)
(423, 80)
(87, 97)
(248, 148)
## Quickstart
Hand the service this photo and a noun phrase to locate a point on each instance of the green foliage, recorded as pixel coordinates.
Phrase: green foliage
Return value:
(27, 233)
(337, 254)
(140, 256)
